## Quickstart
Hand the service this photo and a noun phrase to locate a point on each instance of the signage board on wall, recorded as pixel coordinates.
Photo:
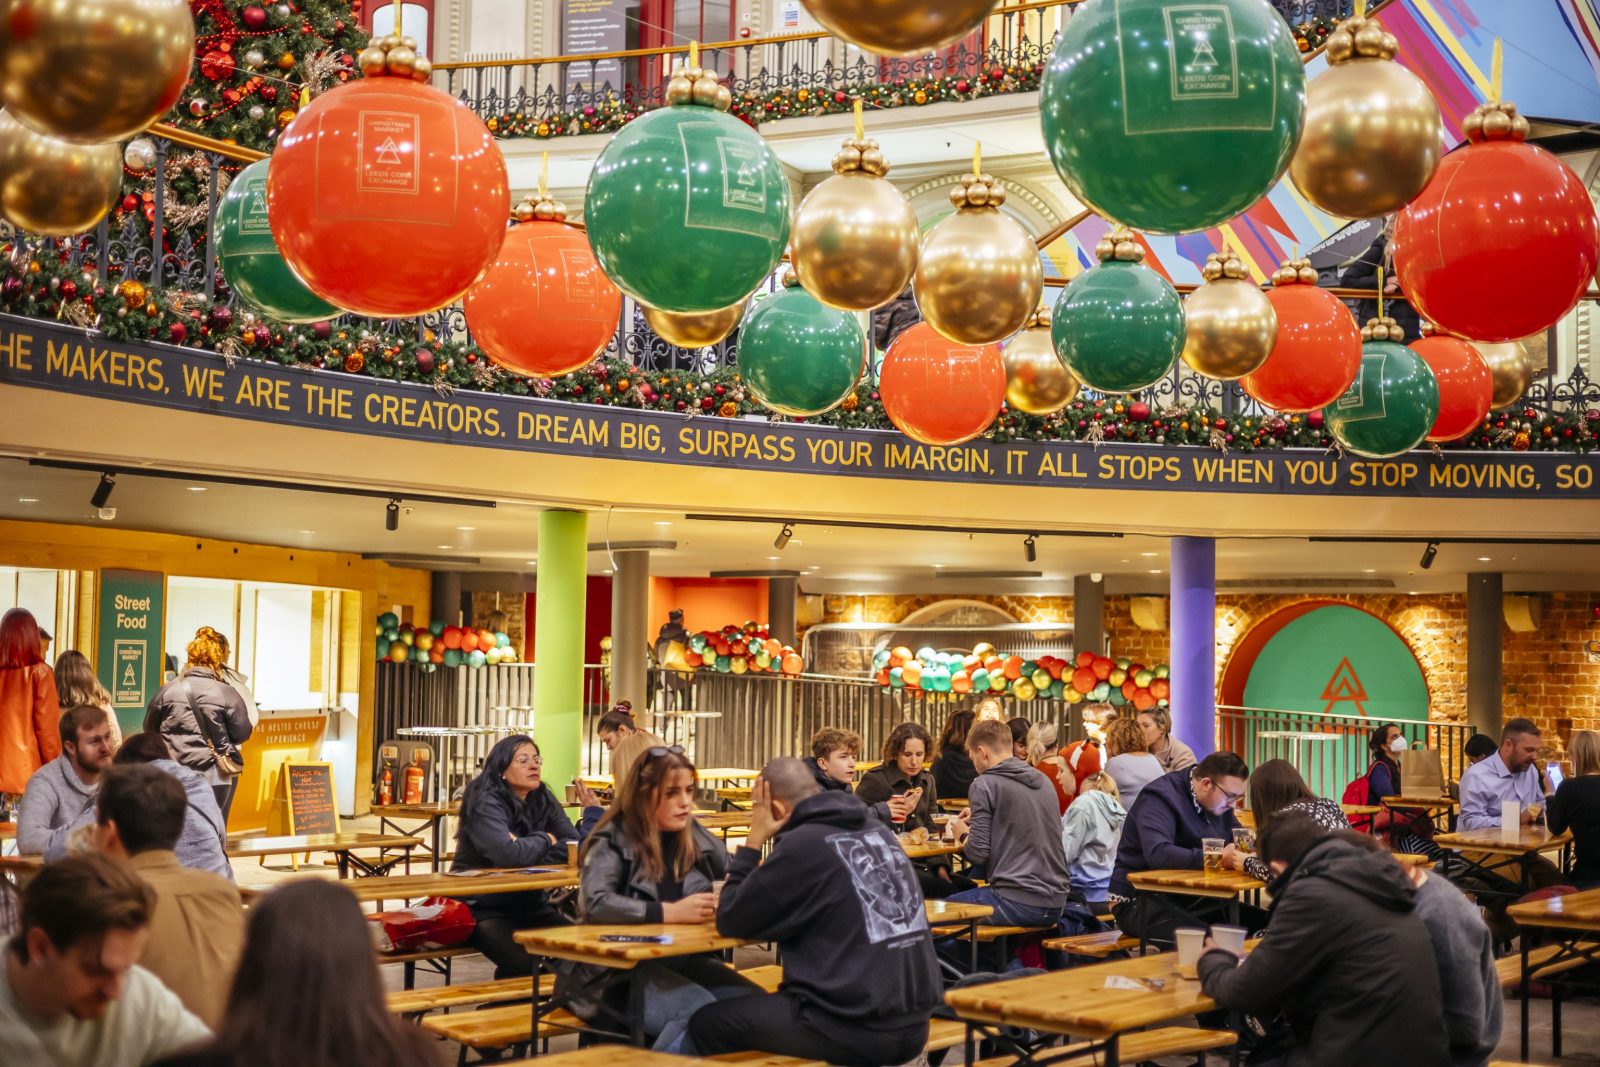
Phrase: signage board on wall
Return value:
(594, 26)
(128, 647)
(276, 740)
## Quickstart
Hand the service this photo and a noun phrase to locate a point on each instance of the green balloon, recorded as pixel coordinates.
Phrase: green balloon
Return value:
(1171, 116)
(687, 209)
(1390, 407)
(798, 356)
(250, 260)
(1118, 327)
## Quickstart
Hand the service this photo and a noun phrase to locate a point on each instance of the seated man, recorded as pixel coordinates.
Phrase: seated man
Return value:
(1164, 831)
(1013, 827)
(197, 927)
(1341, 915)
(71, 994)
(62, 789)
(838, 895)
(1509, 774)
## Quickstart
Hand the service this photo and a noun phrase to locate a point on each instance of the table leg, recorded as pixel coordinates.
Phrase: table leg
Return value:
(343, 858)
(1112, 1058)
(1555, 1017)
(970, 1059)
(1526, 977)
(538, 977)
(438, 840)
(636, 1008)
(972, 941)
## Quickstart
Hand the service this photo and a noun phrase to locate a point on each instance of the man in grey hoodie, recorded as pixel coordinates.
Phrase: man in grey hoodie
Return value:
(64, 788)
(1013, 827)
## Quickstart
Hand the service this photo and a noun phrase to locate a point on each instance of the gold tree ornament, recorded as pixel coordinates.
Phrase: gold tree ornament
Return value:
(693, 329)
(1295, 272)
(696, 85)
(979, 278)
(1510, 370)
(1231, 325)
(50, 186)
(1383, 328)
(393, 56)
(1373, 135)
(900, 27)
(1037, 382)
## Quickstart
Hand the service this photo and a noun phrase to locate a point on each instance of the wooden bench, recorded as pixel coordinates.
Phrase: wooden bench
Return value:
(1509, 968)
(942, 1034)
(1140, 1045)
(1099, 946)
(988, 934)
(437, 959)
(415, 1002)
(507, 1026)
(768, 977)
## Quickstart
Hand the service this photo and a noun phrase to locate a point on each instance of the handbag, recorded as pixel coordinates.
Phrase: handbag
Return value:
(226, 764)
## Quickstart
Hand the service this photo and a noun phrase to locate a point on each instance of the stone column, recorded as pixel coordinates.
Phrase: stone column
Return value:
(1484, 651)
(558, 643)
(1088, 614)
(781, 600)
(630, 624)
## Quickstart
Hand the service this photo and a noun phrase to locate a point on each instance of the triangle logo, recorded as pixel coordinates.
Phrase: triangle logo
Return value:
(1345, 685)
(389, 151)
(130, 677)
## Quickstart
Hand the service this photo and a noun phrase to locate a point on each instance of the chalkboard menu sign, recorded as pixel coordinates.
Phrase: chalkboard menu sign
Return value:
(308, 791)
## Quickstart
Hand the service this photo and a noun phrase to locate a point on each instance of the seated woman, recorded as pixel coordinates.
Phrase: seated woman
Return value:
(1044, 752)
(1409, 830)
(511, 818)
(649, 861)
(1276, 788)
(623, 739)
(1131, 765)
(952, 769)
(1576, 807)
(1090, 832)
(903, 771)
(1173, 754)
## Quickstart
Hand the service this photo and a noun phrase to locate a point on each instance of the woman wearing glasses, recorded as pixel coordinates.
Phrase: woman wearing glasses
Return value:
(511, 818)
(649, 861)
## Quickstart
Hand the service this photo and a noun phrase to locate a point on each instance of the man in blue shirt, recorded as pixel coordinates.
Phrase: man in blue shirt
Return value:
(1509, 774)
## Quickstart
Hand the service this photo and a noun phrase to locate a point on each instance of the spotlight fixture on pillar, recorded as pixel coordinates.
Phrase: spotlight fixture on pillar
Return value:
(391, 518)
(783, 536)
(1030, 550)
(102, 492)
(1429, 553)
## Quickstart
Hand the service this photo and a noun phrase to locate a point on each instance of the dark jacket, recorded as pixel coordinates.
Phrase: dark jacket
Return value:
(953, 773)
(1576, 807)
(885, 781)
(895, 317)
(613, 887)
(1340, 916)
(833, 785)
(1164, 831)
(226, 719)
(1016, 833)
(496, 831)
(1363, 274)
(842, 900)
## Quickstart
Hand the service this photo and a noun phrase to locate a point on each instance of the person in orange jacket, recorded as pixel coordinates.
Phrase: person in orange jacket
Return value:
(29, 714)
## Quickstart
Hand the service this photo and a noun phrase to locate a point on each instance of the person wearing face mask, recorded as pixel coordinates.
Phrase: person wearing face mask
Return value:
(1409, 831)
(904, 773)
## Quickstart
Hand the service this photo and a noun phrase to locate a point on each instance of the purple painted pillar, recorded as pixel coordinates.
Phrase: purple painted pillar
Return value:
(1194, 643)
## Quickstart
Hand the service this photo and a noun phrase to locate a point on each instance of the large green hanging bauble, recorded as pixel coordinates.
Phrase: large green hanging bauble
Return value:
(798, 356)
(249, 257)
(1169, 115)
(1119, 326)
(687, 209)
(1391, 405)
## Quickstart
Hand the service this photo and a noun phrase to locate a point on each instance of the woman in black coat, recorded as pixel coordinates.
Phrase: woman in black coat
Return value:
(953, 771)
(202, 718)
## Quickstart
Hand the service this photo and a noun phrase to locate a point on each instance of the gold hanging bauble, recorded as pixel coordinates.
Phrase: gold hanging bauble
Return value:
(855, 238)
(1509, 368)
(978, 279)
(899, 27)
(1037, 382)
(1231, 325)
(48, 186)
(90, 71)
(1386, 328)
(1372, 136)
(693, 329)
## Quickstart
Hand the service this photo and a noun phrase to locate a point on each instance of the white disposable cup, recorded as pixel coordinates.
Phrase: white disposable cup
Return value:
(1230, 938)
(1189, 944)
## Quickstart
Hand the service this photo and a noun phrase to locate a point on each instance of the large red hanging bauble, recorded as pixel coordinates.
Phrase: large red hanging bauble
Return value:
(545, 308)
(1466, 387)
(387, 197)
(1318, 351)
(940, 392)
(1503, 241)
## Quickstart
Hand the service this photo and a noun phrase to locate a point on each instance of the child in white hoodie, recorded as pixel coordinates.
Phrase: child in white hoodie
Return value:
(1090, 831)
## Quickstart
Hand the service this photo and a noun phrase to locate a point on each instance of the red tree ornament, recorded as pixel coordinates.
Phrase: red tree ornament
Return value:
(940, 392)
(1503, 241)
(1466, 387)
(1318, 351)
(545, 308)
(386, 196)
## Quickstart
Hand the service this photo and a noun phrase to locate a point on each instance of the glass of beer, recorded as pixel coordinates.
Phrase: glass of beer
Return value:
(1211, 847)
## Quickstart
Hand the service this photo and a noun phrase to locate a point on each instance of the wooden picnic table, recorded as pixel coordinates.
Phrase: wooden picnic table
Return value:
(952, 803)
(1227, 886)
(724, 822)
(1572, 923)
(1518, 848)
(342, 845)
(1425, 803)
(432, 817)
(934, 846)
(512, 880)
(622, 1056)
(733, 795)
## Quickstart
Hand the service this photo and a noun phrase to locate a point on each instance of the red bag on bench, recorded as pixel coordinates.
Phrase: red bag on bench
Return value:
(438, 922)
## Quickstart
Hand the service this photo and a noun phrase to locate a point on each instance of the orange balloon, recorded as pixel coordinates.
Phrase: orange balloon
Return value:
(1317, 354)
(937, 391)
(545, 308)
(1466, 387)
(469, 640)
(387, 197)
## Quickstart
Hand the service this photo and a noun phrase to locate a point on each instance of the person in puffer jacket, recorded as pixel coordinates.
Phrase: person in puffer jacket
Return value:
(1090, 831)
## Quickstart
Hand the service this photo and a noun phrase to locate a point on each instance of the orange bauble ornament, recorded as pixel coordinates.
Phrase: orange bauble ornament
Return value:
(386, 196)
(940, 392)
(1318, 350)
(1466, 387)
(545, 308)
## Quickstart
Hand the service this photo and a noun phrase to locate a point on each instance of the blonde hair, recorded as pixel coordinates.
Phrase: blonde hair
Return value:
(1041, 739)
(208, 649)
(1101, 782)
(1584, 747)
(1125, 735)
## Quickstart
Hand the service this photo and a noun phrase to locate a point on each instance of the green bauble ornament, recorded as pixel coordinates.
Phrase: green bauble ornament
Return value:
(688, 209)
(798, 356)
(1119, 326)
(249, 257)
(1393, 403)
(1171, 116)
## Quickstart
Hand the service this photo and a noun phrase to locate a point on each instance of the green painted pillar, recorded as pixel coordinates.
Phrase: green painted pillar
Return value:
(558, 644)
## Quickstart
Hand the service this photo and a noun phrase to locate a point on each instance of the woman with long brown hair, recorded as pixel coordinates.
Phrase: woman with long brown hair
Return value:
(202, 718)
(307, 991)
(952, 769)
(76, 684)
(1276, 788)
(649, 861)
(30, 715)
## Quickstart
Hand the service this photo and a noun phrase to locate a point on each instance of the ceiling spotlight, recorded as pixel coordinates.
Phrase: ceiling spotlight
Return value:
(391, 518)
(102, 492)
(1429, 553)
(1030, 550)
(783, 536)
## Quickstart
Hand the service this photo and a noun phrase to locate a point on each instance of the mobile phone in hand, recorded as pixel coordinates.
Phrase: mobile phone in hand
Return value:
(636, 939)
